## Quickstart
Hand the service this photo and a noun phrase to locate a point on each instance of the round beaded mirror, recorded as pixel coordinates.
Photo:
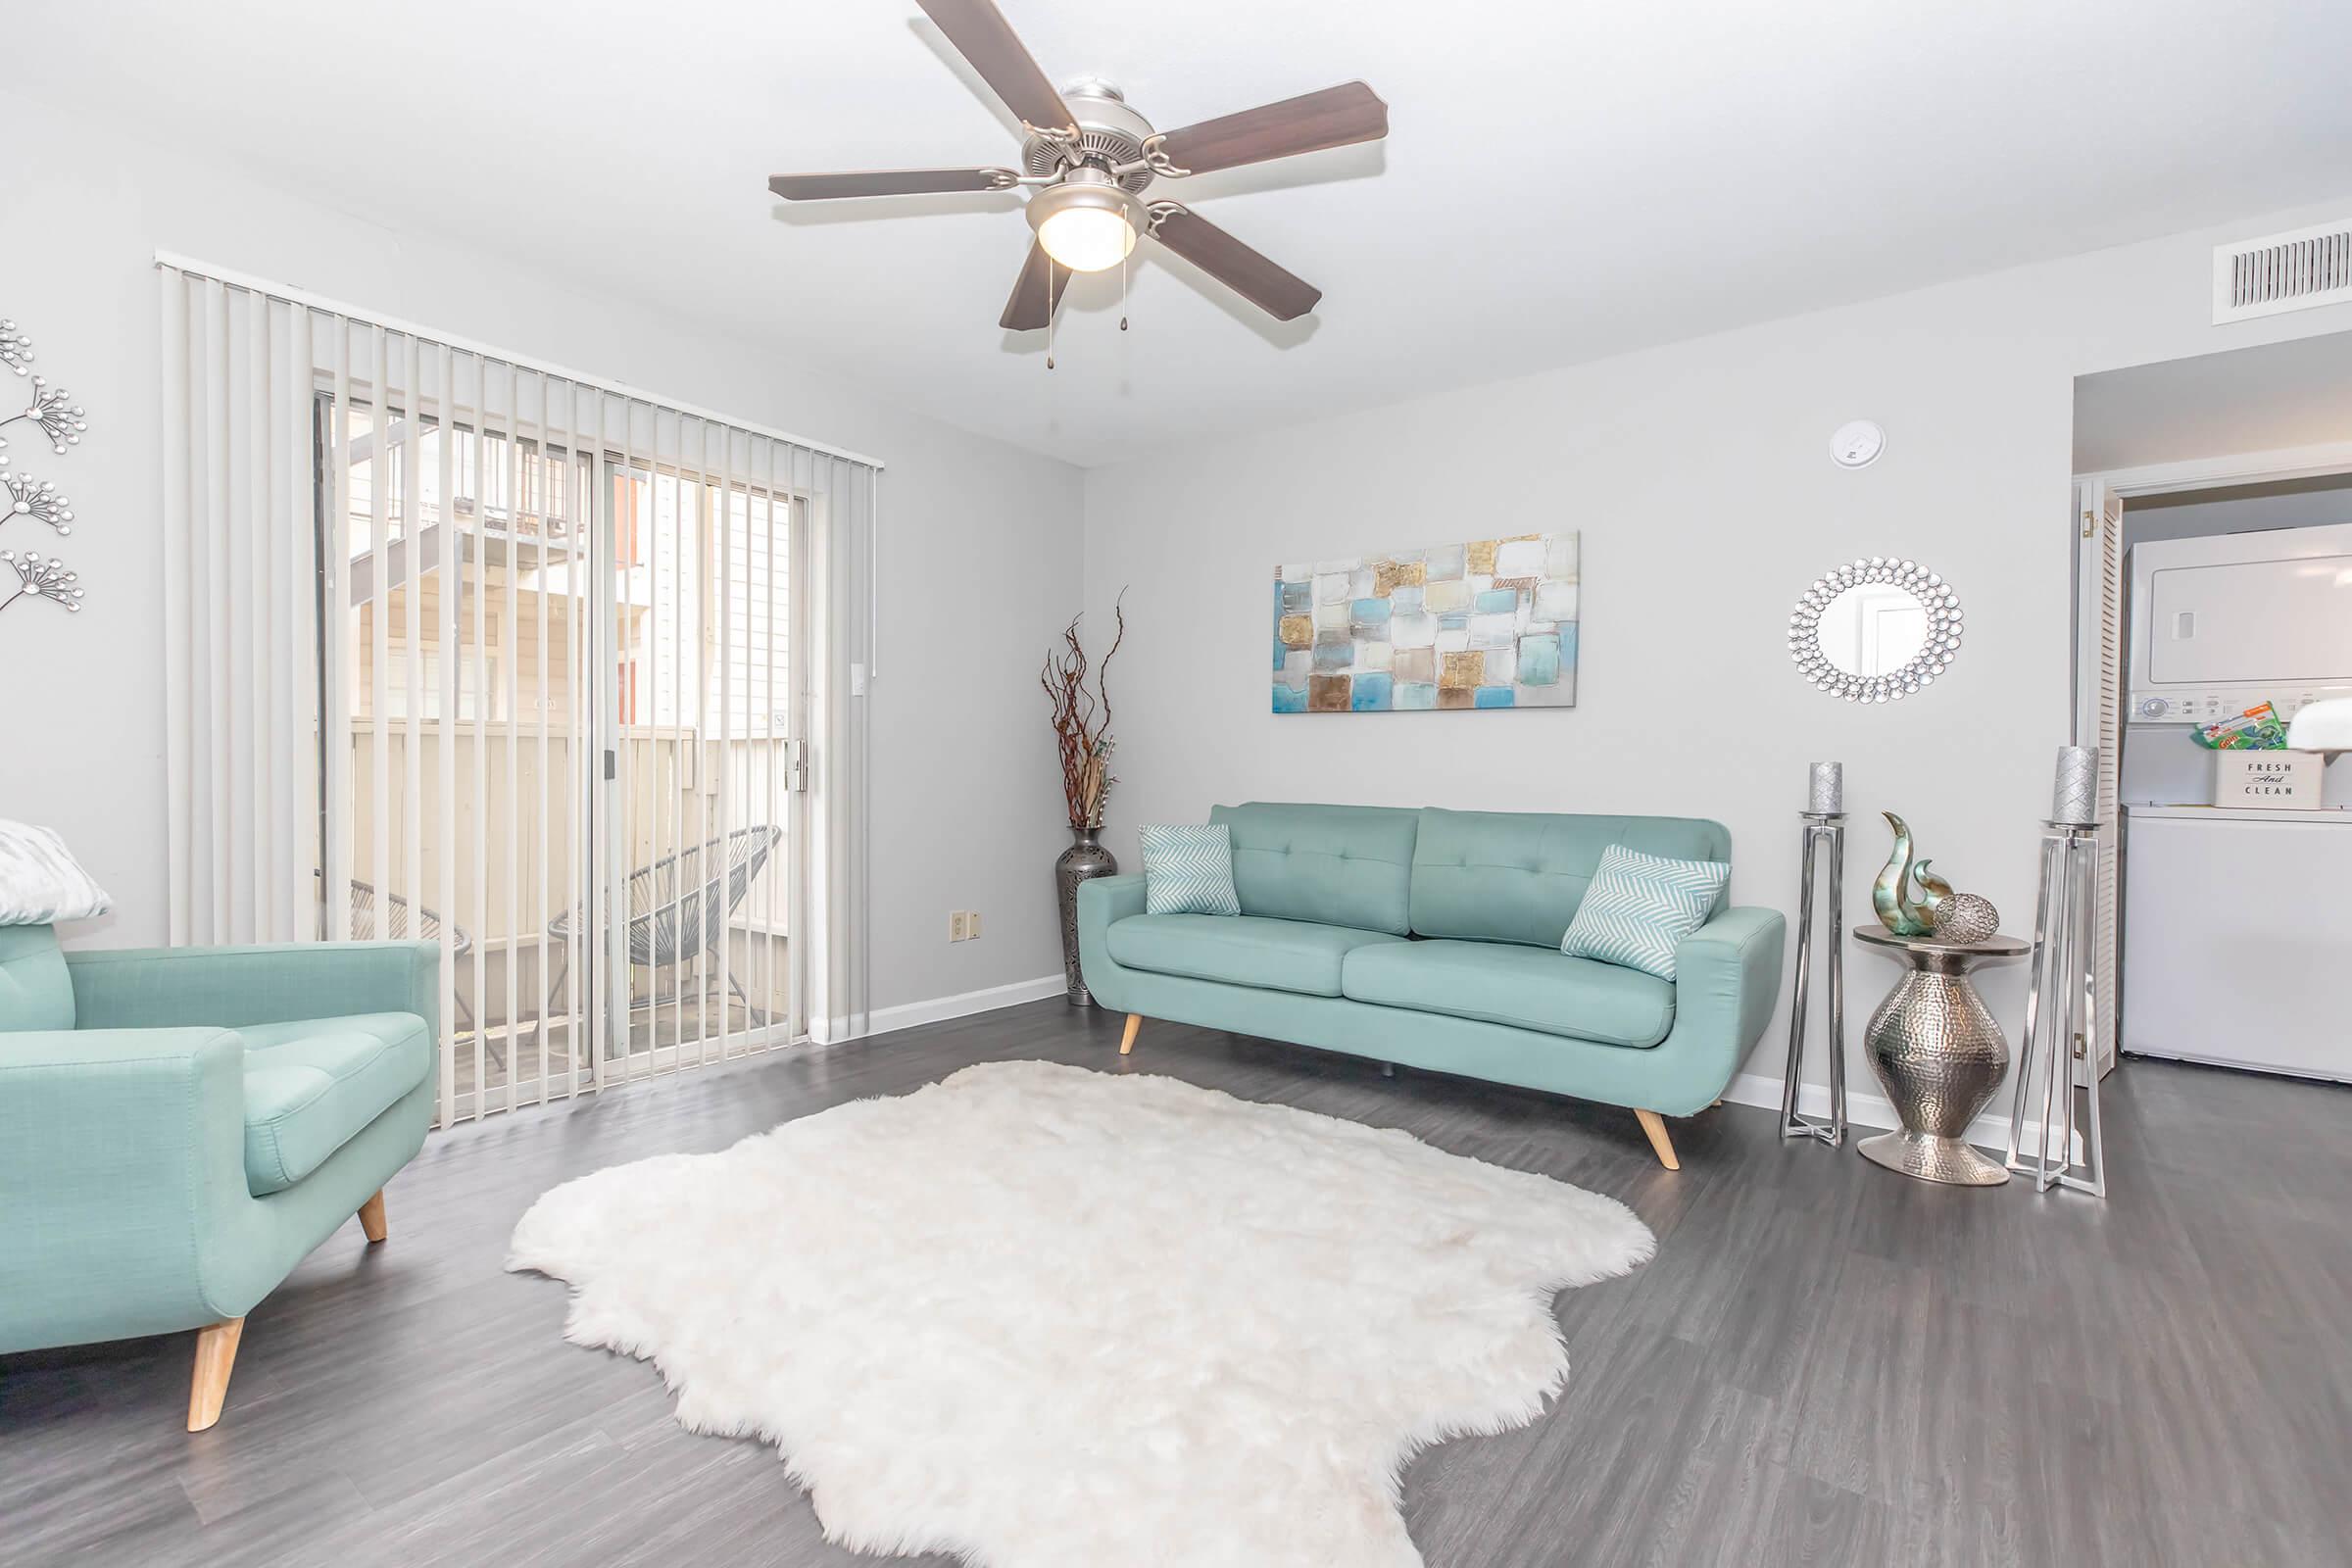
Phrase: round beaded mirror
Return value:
(1875, 630)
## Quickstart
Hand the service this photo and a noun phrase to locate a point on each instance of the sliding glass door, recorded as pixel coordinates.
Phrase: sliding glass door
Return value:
(510, 660)
(562, 725)
(704, 826)
(458, 806)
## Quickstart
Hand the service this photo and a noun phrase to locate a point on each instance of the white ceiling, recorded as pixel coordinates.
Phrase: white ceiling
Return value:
(1561, 182)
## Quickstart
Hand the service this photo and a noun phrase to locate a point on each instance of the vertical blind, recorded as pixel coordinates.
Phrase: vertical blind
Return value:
(468, 648)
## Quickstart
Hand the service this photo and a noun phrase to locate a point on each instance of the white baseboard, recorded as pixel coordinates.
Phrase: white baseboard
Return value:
(937, 1009)
(1988, 1131)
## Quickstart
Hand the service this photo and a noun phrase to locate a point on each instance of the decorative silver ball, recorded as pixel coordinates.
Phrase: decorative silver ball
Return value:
(1966, 918)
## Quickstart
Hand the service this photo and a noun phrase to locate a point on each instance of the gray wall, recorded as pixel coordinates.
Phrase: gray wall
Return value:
(2309, 505)
(980, 554)
(2261, 397)
(1696, 472)
(1699, 476)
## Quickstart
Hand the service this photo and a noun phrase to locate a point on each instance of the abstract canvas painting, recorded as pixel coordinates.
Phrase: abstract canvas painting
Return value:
(1491, 623)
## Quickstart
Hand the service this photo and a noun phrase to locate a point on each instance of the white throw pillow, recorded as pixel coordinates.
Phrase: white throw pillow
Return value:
(1640, 907)
(40, 882)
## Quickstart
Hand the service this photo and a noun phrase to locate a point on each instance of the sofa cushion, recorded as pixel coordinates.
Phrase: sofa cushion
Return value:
(35, 991)
(311, 1084)
(1350, 865)
(1242, 950)
(1514, 877)
(1525, 987)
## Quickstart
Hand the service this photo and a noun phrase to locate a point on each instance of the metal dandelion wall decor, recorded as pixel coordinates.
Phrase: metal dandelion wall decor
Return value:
(58, 417)
(24, 499)
(38, 499)
(16, 349)
(39, 579)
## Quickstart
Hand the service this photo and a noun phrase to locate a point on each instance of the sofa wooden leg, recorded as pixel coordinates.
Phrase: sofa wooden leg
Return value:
(1135, 1021)
(216, 1355)
(1655, 1125)
(371, 1216)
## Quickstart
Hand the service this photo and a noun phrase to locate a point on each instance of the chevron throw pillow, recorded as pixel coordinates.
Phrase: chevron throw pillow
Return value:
(1188, 870)
(1640, 907)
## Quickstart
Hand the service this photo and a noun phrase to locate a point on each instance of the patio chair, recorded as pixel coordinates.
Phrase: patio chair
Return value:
(396, 920)
(679, 906)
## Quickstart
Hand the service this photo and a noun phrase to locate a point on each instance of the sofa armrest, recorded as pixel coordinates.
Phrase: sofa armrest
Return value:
(168, 988)
(121, 1152)
(1727, 982)
(1101, 903)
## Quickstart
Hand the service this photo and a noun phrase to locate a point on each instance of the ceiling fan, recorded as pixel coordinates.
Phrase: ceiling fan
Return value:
(1088, 157)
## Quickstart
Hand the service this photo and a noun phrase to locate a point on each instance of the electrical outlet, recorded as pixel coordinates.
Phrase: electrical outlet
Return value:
(971, 925)
(956, 925)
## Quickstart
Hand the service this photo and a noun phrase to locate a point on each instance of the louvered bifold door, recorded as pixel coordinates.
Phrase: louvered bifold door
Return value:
(2098, 721)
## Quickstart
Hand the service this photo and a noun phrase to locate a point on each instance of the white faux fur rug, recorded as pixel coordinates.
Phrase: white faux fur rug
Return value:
(1042, 1317)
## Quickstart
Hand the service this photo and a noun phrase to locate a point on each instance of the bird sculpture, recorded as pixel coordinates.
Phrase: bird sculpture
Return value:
(1899, 911)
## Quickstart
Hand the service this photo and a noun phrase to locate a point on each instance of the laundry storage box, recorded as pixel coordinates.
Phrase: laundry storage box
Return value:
(2282, 780)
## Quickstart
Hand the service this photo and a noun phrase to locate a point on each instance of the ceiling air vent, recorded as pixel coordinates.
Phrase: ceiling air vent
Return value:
(2290, 272)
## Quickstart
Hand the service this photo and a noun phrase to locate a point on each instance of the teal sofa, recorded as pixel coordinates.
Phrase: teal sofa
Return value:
(1433, 938)
(179, 1126)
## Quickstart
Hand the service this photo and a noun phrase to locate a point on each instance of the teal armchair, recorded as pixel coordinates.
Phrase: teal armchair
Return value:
(179, 1126)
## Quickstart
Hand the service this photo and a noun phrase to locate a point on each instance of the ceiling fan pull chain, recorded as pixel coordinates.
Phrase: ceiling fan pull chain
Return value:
(1049, 314)
(1125, 261)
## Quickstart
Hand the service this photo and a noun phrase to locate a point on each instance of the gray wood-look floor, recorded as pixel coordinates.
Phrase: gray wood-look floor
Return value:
(1825, 1363)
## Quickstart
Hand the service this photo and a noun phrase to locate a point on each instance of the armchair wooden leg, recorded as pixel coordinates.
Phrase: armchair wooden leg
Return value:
(216, 1354)
(1135, 1021)
(1655, 1125)
(371, 1216)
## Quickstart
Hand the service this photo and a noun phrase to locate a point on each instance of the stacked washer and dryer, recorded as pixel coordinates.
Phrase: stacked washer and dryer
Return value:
(2237, 918)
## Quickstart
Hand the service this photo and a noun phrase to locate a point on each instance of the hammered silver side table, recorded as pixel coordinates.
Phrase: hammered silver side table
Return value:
(1939, 1053)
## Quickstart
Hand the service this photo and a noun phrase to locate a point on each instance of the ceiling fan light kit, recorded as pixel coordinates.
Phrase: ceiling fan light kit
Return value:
(1088, 156)
(1089, 221)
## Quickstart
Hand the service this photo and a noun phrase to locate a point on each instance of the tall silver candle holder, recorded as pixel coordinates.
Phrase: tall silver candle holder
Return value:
(1824, 838)
(2062, 1007)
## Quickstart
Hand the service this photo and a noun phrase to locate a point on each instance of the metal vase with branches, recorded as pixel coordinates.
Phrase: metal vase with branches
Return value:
(1083, 742)
(1082, 719)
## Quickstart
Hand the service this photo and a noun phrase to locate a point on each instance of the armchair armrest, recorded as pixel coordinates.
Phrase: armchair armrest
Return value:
(121, 1150)
(168, 988)
(1727, 982)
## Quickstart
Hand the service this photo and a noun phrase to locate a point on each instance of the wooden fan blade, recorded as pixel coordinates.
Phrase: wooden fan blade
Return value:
(1027, 310)
(1281, 294)
(982, 36)
(887, 182)
(1335, 117)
